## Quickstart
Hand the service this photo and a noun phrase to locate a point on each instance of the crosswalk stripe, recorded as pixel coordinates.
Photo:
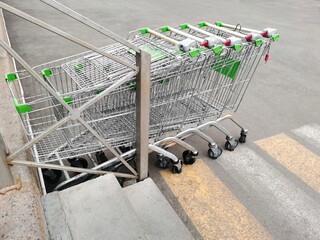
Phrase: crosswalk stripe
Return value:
(212, 208)
(295, 157)
(310, 132)
(273, 198)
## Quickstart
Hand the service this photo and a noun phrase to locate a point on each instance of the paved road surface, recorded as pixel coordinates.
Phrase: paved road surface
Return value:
(268, 187)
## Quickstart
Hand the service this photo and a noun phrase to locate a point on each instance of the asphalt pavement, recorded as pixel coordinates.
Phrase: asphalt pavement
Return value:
(262, 180)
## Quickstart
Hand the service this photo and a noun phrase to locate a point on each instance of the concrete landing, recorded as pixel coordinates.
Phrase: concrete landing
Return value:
(97, 209)
(101, 209)
(155, 212)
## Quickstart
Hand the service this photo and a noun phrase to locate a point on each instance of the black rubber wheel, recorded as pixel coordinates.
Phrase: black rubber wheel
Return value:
(78, 162)
(229, 147)
(163, 163)
(188, 158)
(124, 149)
(175, 169)
(242, 138)
(51, 176)
(214, 154)
(101, 157)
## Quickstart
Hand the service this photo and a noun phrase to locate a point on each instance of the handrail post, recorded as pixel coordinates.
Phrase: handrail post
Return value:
(143, 60)
(6, 178)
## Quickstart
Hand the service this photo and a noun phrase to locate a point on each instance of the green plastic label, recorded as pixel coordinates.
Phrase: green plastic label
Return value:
(10, 77)
(202, 24)
(217, 49)
(144, 30)
(46, 72)
(78, 66)
(228, 67)
(99, 91)
(165, 28)
(132, 85)
(194, 52)
(258, 42)
(165, 80)
(184, 26)
(275, 37)
(21, 108)
(219, 24)
(154, 52)
(68, 100)
(237, 47)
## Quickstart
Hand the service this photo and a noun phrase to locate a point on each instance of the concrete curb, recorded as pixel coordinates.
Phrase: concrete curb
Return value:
(21, 211)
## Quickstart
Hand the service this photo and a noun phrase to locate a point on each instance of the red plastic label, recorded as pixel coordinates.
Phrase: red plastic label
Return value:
(204, 43)
(267, 57)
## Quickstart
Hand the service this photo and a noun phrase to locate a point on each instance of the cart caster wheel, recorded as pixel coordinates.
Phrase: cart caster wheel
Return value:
(124, 149)
(188, 158)
(242, 138)
(176, 169)
(214, 153)
(101, 157)
(163, 163)
(51, 176)
(78, 162)
(231, 147)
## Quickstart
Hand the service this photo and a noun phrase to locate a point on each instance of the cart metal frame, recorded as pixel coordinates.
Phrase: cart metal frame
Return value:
(141, 70)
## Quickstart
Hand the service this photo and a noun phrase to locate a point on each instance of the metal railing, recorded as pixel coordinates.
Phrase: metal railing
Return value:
(142, 73)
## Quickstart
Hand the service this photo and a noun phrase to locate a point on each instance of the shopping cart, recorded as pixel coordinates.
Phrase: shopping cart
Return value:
(237, 57)
(226, 77)
(114, 117)
(193, 79)
(184, 91)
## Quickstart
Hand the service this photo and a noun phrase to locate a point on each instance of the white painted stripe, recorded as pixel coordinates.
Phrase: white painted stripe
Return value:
(212, 208)
(295, 157)
(310, 133)
(286, 208)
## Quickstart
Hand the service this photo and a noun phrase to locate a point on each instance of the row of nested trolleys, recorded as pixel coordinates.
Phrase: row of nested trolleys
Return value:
(199, 75)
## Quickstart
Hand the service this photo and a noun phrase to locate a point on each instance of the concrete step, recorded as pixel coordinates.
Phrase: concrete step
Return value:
(155, 213)
(97, 209)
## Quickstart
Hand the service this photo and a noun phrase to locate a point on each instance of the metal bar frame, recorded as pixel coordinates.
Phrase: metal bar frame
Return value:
(62, 33)
(236, 34)
(159, 35)
(6, 177)
(84, 20)
(185, 34)
(142, 112)
(143, 96)
(67, 168)
(241, 28)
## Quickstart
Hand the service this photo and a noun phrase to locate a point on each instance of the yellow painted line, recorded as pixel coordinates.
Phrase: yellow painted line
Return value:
(295, 157)
(212, 208)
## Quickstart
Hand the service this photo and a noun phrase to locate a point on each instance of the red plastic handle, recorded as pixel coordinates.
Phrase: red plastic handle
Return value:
(264, 33)
(227, 42)
(204, 43)
(248, 37)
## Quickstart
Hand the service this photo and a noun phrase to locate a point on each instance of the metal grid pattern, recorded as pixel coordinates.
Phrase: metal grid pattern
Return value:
(184, 90)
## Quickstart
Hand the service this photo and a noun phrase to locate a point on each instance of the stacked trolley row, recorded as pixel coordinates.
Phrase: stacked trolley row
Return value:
(197, 74)
(113, 117)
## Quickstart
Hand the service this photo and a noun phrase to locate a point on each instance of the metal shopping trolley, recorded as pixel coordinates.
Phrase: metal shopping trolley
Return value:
(195, 76)
(231, 75)
(113, 117)
(220, 91)
(184, 91)
(53, 114)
